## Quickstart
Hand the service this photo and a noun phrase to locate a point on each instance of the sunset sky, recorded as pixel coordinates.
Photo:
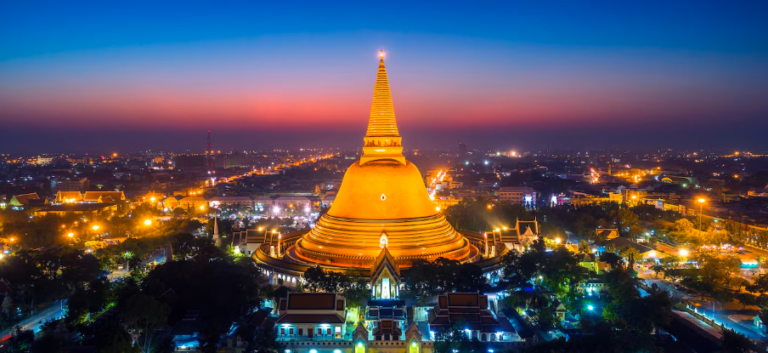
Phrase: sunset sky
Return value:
(99, 76)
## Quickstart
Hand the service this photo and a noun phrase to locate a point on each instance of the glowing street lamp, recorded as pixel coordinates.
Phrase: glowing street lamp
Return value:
(683, 253)
(590, 307)
(147, 222)
(95, 227)
(70, 235)
(558, 240)
(701, 207)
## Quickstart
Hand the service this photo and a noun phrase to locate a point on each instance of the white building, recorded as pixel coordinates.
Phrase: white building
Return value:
(517, 195)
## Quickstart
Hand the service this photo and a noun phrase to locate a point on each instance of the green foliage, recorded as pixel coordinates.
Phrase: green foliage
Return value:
(144, 315)
(455, 339)
(734, 342)
(443, 275)
(520, 268)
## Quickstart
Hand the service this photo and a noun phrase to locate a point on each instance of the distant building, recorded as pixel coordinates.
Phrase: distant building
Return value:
(23, 199)
(463, 149)
(104, 196)
(69, 197)
(71, 185)
(472, 311)
(517, 195)
(311, 316)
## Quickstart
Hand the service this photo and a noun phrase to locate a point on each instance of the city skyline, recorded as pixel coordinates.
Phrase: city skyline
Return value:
(503, 77)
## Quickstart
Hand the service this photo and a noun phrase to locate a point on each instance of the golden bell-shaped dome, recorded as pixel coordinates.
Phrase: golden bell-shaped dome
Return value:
(382, 192)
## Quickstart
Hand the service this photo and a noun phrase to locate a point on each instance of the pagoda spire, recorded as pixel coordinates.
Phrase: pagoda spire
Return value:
(382, 139)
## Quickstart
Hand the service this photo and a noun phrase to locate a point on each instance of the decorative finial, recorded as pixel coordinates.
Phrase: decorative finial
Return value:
(381, 55)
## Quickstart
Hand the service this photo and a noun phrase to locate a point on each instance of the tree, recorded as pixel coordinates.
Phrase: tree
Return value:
(746, 299)
(656, 269)
(145, 315)
(21, 340)
(760, 285)
(519, 269)
(584, 247)
(629, 224)
(734, 342)
(631, 254)
(611, 259)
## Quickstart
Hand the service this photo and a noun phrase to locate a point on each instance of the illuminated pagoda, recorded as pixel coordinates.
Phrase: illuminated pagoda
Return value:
(382, 192)
(381, 211)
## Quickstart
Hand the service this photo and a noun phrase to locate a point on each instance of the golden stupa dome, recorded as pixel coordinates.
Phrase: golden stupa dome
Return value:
(381, 194)
(382, 190)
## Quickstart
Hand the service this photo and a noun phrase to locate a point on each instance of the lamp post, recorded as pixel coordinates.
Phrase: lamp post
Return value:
(271, 236)
(701, 208)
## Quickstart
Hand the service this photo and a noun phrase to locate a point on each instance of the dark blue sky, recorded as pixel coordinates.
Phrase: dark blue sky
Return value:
(503, 74)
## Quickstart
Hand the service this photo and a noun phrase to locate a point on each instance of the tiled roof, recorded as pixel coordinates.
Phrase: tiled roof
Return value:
(310, 319)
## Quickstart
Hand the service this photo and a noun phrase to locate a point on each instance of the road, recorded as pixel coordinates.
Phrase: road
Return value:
(53, 312)
(731, 314)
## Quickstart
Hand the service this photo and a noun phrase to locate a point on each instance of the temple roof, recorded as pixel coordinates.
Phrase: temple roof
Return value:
(382, 119)
(385, 260)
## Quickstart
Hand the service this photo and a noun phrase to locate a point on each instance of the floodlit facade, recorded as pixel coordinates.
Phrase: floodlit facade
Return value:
(381, 192)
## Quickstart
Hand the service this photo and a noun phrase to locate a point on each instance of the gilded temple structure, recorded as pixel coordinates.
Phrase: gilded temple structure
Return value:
(382, 206)
(381, 193)
(382, 220)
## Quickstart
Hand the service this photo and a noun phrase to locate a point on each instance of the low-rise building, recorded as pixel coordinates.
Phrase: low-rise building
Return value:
(517, 195)
(311, 316)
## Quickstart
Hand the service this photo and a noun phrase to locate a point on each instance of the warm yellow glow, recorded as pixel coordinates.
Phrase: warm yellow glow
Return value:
(558, 240)
(261, 228)
(202, 207)
(382, 195)
(274, 231)
(381, 54)
(13, 239)
(497, 229)
(634, 197)
(702, 200)
(736, 153)
(735, 176)
(152, 199)
(96, 227)
(114, 154)
(505, 228)
(683, 252)
(70, 234)
(489, 206)
(147, 222)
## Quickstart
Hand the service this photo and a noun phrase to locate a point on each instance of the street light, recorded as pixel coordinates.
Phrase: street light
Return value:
(590, 307)
(147, 222)
(683, 253)
(701, 207)
(70, 234)
(95, 227)
(558, 240)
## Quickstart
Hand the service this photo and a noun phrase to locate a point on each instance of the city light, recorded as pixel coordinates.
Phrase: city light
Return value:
(701, 200)
(95, 227)
(147, 222)
(683, 252)
(590, 307)
(70, 234)
(558, 240)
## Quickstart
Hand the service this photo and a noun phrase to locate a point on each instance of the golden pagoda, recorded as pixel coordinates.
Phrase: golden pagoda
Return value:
(382, 201)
